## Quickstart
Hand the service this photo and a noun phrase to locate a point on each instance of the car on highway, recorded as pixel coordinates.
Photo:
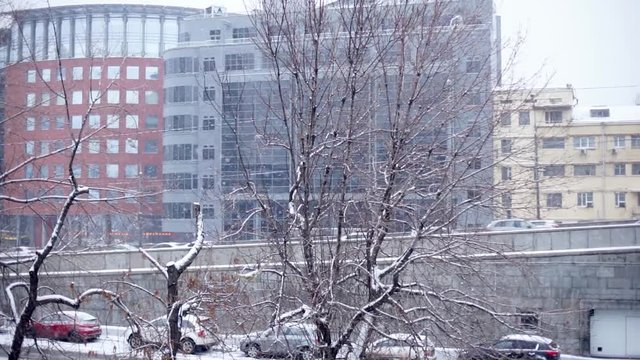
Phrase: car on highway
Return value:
(196, 333)
(166, 245)
(514, 346)
(295, 340)
(509, 225)
(73, 326)
(402, 347)
(18, 252)
(544, 224)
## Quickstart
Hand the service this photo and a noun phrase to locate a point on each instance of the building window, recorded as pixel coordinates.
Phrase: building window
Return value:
(93, 171)
(31, 99)
(46, 75)
(77, 170)
(181, 122)
(44, 147)
(180, 152)
(584, 142)
(208, 212)
(208, 123)
(619, 169)
(44, 171)
(58, 171)
(475, 164)
(505, 146)
(599, 112)
(506, 200)
(585, 199)
(96, 72)
(151, 97)
(59, 122)
(621, 199)
(113, 122)
(113, 72)
(181, 65)
(77, 73)
(46, 98)
(133, 72)
(474, 195)
(31, 76)
(523, 118)
(209, 64)
(94, 146)
(151, 147)
(131, 146)
(506, 173)
(209, 94)
(132, 97)
(94, 121)
(181, 94)
(584, 170)
(635, 169)
(61, 74)
(151, 122)
(112, 171)
(618, 141)
(243, 33)
(635, 141)
(208, 152)
(132, 121)
(94, 97)
(553, 143)
(554, 200)
(113, 96)
(505, 119)
(150, 171)
(208, 182)
(60, 99)
(76, 122)
(58, 145)
(553, 170)
(180, 181)
(215, 35)
(45, 124)
(29, 147)
(113, 146)
(177, 210)
(245, 61)
(131, 171)
(553, 117)
(76, 98)
(151, 73)
(31, 123)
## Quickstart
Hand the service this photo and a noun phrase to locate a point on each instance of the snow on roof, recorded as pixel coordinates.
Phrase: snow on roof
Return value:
(622, 113)
(527, 337)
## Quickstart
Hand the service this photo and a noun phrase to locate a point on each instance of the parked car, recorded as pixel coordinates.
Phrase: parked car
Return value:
(290, 339)
(74, 326)
(402, 347)
(166, 245)
(196, 332)
(509, 224)
(545, 224)
(521, 346)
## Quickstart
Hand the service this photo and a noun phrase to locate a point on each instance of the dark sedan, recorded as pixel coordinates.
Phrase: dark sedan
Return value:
(67, 325)
(516, 346)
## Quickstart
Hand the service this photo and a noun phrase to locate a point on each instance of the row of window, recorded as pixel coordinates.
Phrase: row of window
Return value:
(579, 142)
(524, 118)
(619, 169)
(111, 146)
(183, 211)
(131, 121)
(583, 199)
(95, 72)
(189, 122)
(93, 97)
(187, 181)
(93, 171)
(232, 62)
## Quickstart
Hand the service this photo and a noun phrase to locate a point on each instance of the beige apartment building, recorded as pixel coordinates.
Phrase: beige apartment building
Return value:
(563, 162)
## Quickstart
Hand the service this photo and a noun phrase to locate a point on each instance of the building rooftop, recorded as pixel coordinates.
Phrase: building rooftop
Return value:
(598, 114)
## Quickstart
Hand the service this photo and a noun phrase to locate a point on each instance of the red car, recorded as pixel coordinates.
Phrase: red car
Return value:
(67, 325)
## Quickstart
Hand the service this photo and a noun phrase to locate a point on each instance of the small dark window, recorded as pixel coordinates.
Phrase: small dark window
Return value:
(523, 118)
(599, 112)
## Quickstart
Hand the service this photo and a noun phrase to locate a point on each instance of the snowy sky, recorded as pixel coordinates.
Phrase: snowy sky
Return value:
(592, 44)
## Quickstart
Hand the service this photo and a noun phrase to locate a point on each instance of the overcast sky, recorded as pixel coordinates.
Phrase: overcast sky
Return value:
(592, 44)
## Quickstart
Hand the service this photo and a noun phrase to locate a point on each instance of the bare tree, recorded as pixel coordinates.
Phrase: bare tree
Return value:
(381, 116)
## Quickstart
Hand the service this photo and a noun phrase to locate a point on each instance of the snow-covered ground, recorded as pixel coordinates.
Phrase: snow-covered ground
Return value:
(112, 343)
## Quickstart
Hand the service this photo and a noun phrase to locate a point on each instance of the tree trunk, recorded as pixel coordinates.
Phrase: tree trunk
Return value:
(173, 314)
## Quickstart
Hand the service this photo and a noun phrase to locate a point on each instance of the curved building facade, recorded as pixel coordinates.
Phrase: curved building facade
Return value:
(94, 73)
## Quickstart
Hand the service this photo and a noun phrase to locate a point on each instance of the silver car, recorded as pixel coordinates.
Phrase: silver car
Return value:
(402, 347)
(509, 225)
(296, 340)
(196, 332)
